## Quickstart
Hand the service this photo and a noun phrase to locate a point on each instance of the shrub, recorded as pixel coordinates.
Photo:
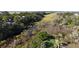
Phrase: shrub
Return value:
(42, 39)
(13, 24)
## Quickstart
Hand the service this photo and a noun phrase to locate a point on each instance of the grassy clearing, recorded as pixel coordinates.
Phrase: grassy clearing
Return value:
(48, 18)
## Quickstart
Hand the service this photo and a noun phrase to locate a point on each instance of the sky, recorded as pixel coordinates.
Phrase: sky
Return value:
(39, 5)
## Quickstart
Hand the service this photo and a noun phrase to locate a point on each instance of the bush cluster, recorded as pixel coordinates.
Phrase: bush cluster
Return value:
(13, 24)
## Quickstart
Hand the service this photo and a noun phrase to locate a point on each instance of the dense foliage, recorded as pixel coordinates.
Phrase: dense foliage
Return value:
(24, 29)
(42, 40)
(13, 24)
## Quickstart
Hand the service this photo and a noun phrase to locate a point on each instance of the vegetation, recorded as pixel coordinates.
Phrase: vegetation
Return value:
(42, 40)
(39, 29)
(13, 24)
